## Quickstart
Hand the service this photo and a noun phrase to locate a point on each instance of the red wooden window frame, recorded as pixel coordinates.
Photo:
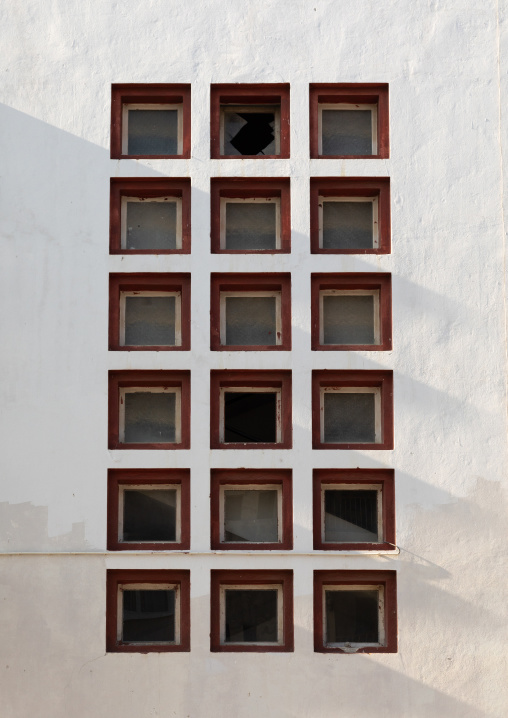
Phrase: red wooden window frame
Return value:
(351, 93)
(258, 477)
(147, 380)
(262, 282)
(147, 188)
(380, 281)
(383, 478)
(223, 379)
(249, 94)
(121, 577)
(352, 378)
(251, 578)
(142, 283)
(388, 579)
(150, 477)
(352, 187)
(247, 188)
(150, 94)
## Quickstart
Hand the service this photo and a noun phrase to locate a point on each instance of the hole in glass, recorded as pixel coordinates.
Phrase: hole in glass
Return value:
(250, 130)
(150, 417)
(250, 417)
(149, 515)
(152, 132)
(148, 616)
(251, 616)
(349, 417)
(350, 516)
(251, 515)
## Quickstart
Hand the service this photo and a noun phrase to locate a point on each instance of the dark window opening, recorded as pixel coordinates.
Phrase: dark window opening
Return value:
(251, 616)
(149, 515)
(351, 516)
(352, 616)
(148, 616)
(250, 417)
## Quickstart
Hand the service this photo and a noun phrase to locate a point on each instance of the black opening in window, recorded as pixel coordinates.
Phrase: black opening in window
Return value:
(149, 515)
(250, 417)
(250, 131)
(352, 616)
(350, 516)
(251, 616)
(148, 616)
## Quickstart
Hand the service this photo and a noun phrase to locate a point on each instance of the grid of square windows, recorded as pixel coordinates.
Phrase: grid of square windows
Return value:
(250, 508)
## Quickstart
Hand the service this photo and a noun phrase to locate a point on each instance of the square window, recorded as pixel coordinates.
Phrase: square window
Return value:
(149, 410)
(251, 509)
(251, 410)
(355, 612)
(252, 611)
(147, 611)
(251, 312)
(251, 215)
(349, 120)
(149, 312)
(249, 121)
(350, 215)
(354, 509)
(352, 409)
(150, 121)
(148, 509)
(150, 216)
(351, 311)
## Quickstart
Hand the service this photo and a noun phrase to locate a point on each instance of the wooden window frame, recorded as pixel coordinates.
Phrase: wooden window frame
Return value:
(147, 380)
(380, 380)
(248, 285)
(350, 94)
(118, 479)
(382, 479)
(350, 189)
(380, 282)
(249, 94)
(221, 579)
(117, 578)
(255, 188)
(277, 381)
(138, 94)
(252, 478)
(142, 283)
(140, 188)
(356, 579)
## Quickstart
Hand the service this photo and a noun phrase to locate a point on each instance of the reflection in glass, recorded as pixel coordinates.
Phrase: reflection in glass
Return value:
(350, 516)
(149, 514)
(251, 515)
(251, 616)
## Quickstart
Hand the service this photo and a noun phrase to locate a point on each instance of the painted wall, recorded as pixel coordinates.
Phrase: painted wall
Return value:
(447, 68)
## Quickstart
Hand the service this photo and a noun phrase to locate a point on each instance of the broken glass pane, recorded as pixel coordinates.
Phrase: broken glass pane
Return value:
(349, 418)
(251, 515)
(150, 321)
(153, 132)
(251, 616)
(352, 616)
(249, 131)
(148, 616)
(251, 225)
(348, 319)
(346, 132)
(151, 225)
(150, 417)
(149, 515)
(251, 321)
(348, 225)
(350, 516)
(250, 417)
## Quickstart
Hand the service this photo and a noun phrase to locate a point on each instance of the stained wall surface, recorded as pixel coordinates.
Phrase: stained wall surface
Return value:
(446, 65)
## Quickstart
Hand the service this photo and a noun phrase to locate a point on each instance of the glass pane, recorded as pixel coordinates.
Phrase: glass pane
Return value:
(346, 132)
(151, 225)
(348, 225)
(148, 616)
(350, 516)
(352, 616)
(251, 321)
(150, 417)
(249, 132)
(149, 515)
(250, 225)
(153, 132)
(150, 321)
(251, 616)
(250, 417)
(251, 515)
(348, 319)
(349, 418)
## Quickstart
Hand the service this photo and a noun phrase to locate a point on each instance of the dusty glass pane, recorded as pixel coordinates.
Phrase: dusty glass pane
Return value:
(350, 516)
(249, 132)
(251, 225)
(250, 417)
(151, 225)
(348, 225)
(352, 616)
(149, 515)
(348, 319)
(346, 132)
(150, 321)
(251, 515)
(150, 417)
(251, 616)
(153, 132)
(251, 321)
(148, 616)
(349, 418)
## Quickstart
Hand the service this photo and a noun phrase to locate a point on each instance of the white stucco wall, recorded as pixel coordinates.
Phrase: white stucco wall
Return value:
(447, 72)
